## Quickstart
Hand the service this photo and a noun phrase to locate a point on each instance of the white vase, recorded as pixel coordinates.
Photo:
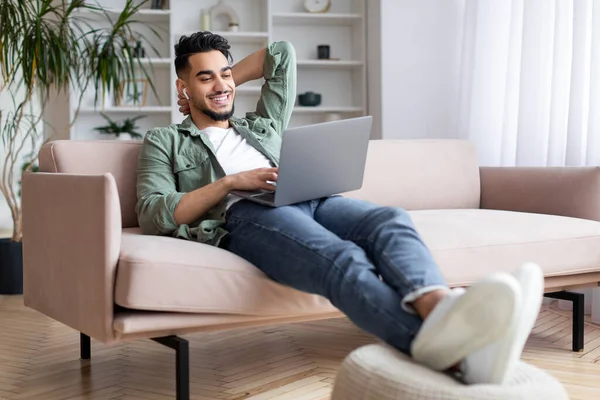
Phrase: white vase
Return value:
(124, 136)
(222, 8)
(204, 20)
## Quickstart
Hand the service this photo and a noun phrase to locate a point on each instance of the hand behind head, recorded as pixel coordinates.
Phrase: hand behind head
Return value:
(183, 103)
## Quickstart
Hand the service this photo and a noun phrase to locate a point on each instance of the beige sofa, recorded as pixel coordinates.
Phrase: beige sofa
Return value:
(87, 265)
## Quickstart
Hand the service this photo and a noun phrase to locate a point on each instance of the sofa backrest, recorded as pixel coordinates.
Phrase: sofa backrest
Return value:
(413, 174)
(421, 174)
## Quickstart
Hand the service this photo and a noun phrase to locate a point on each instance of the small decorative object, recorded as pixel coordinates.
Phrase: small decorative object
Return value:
(222, 8)
(158, 4)
(116, 129)
(330, 117)
(317, 6)
(204, 20)
(323, 51)
(129, 96)
(309, 99)
(233, 27)
(131, 41)
(139, 51)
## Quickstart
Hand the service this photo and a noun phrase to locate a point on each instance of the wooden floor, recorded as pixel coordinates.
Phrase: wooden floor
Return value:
(39, 360)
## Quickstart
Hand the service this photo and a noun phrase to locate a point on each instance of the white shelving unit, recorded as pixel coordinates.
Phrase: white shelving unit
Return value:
(341, 80)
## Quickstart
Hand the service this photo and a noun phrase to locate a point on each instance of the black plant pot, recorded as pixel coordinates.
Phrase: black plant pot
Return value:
(11, 267)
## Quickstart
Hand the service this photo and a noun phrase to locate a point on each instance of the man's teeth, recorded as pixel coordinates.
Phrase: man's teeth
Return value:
(220, 98)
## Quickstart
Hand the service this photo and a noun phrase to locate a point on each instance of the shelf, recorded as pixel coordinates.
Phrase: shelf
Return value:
(128, 109)
(345, 64)
(316, 19)
(148, 11)
(156, 62)
(326, 109)
(239, 37)
(146, 15)
(248, 89)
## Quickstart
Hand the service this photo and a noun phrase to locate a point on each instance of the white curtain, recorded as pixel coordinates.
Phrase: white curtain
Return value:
(530, 81)
(530, 86)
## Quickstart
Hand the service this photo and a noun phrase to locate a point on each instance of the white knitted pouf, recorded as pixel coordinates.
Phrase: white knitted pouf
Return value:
(378, 372)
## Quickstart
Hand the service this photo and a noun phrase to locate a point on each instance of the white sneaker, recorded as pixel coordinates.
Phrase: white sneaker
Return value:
(466, 321)
(495, 363)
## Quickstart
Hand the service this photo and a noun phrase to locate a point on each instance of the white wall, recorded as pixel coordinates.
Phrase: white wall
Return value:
(413, 72)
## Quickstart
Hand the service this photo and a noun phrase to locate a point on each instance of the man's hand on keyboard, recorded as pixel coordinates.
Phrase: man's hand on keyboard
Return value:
(255, 179)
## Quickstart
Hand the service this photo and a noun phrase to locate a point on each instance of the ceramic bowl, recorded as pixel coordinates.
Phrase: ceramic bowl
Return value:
(309, 99)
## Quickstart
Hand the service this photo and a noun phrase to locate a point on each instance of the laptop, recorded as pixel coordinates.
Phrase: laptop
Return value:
(317, 161)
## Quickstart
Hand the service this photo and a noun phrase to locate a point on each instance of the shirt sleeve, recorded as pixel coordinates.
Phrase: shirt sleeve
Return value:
(278, 94)
(156, 188)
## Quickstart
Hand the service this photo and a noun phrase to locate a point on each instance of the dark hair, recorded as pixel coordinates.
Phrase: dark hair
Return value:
(199, 42)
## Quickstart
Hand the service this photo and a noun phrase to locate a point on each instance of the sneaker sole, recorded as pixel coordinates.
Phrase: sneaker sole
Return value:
(531, 280)
(481, 316)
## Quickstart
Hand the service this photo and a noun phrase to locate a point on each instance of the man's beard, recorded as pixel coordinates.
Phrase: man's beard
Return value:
(215, 116)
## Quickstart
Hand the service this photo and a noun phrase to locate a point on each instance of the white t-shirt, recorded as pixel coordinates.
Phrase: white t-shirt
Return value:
(234, 153)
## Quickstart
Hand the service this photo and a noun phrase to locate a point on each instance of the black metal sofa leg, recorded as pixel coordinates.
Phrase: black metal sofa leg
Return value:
(578, 300)
(85, 346)
(182, 363)
(182, 360)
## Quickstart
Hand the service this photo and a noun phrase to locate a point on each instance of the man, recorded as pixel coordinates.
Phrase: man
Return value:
(367, 260)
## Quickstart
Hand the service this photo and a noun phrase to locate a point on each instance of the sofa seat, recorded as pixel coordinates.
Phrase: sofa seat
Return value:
(166, 274)
(157, 273)
(470, 244)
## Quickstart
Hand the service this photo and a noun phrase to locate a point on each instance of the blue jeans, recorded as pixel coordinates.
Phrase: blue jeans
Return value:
(366, 259)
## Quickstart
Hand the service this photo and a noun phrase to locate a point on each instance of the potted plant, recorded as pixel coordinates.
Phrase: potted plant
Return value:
(115, 129)
(49, 46)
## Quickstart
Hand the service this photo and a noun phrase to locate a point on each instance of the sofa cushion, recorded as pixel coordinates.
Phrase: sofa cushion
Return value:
(470, 244)
(166, 274)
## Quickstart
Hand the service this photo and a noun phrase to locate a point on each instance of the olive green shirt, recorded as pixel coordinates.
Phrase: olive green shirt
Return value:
(178, 159)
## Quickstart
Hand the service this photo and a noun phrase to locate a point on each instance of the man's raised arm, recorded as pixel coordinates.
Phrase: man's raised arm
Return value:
(277, 65)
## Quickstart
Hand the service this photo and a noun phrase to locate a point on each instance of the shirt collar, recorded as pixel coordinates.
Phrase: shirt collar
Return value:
(187, 125)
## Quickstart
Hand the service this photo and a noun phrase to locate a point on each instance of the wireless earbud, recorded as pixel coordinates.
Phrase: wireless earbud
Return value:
(185, 93)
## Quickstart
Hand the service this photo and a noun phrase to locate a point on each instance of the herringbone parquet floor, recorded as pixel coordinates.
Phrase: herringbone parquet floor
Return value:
(39, 360)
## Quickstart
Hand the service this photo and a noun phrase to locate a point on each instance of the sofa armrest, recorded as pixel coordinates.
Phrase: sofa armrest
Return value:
(565, 191)
(71, 243)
